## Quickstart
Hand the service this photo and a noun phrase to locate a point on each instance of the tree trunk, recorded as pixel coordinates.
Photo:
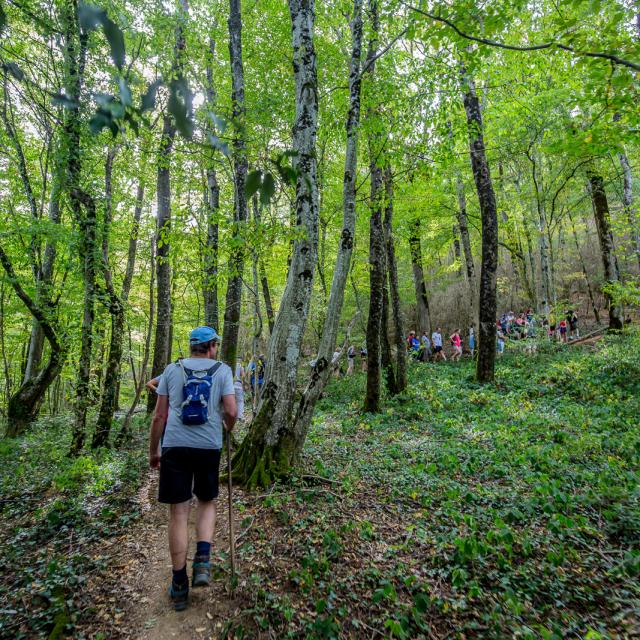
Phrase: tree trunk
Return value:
(84, 211)
(233, 301)
(470, 270)
(377, 251)
(266, 294)
(377, 275)
(117, 306)
(594, 306)
(210, 292)
(394, 289)
(386, 361)
(627, 202)
(605, 239)
(271, 445)
(489, 217)
(25, 404)
(424, 318)
(125, 431)
(163, 337)
(162, 347)
(322, 369)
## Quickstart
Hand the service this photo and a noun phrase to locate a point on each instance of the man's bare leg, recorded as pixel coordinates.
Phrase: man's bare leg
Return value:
(179, 534)
(205, 520)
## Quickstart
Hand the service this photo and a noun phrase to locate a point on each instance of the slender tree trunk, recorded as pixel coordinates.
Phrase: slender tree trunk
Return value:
(266, 294)
(125, 431)
(322, 368)
(470, 270)
(489, 217)
(377, 250)
(394, 289)
(163, 336)
(117, 306)
(627, 202)
(605, 239)
(546, 282)
(264, 282)
(422, 301)
(213, 206)
(233, 301)
(386, 360)
(377, 275)
(162, 346)
(271, 445)
(594, 306)
(5, 361)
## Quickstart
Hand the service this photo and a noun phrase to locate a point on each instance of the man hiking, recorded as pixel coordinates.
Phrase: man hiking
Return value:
(195, 396)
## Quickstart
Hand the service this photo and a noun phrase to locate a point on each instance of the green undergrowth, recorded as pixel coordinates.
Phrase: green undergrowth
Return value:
(55, 513)
(465, 511)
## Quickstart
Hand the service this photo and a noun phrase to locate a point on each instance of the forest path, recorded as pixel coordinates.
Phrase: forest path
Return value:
(149, 613)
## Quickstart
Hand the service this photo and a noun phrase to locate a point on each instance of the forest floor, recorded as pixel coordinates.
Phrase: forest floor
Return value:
(461, 511)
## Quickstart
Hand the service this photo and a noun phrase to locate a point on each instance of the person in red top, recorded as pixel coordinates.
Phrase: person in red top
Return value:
(456, 341)
(563, 330)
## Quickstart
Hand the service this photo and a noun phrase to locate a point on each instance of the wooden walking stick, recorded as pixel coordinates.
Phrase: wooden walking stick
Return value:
(232, 542)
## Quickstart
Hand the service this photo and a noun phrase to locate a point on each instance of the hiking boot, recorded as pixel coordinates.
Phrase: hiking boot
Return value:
(201, 571)
(179, 596)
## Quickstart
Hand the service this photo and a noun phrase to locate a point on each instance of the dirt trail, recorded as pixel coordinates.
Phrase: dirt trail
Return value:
(148, 612)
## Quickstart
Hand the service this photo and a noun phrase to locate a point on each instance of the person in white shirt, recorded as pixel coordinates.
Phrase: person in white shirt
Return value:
(436, 341)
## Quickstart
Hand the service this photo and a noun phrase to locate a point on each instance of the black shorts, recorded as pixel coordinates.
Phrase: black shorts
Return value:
(186, 471)
(437, 349)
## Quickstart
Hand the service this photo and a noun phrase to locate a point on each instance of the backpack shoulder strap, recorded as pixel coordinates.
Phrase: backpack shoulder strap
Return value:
(213, 369)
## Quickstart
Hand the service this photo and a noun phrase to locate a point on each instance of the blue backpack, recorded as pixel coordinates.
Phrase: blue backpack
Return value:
(196, 392)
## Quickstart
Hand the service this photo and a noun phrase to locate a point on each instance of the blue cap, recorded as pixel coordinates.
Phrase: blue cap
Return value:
(203, 334)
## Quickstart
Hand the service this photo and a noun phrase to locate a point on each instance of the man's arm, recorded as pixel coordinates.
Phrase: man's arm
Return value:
(230, 411)
(157, 425)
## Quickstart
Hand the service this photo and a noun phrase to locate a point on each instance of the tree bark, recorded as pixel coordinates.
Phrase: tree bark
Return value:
(605, 239)
(377, 275)
(233, 301)
(210, 288)
(25, 403)
(422, 301)
(489, 216)
(271, 445)
(377, 251)
(627, 202)
(322, 368)
(394, 289)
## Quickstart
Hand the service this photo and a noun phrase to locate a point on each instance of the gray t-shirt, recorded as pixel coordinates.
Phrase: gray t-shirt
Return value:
(201, 436)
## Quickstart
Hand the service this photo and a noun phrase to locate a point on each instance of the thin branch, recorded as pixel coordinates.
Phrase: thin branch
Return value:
(534, 47)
